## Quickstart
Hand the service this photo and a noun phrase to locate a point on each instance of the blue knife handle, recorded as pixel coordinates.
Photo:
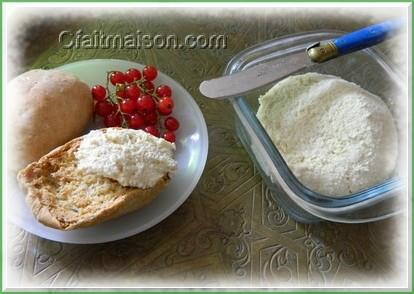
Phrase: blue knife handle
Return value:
(366, 37)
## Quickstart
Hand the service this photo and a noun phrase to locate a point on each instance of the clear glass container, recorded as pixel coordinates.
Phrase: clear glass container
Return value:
(367, 68)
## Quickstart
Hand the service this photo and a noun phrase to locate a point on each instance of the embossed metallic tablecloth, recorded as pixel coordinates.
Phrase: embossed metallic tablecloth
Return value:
(229, 232)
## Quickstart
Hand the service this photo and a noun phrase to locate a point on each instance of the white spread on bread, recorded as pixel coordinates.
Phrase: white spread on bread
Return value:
(133, 158)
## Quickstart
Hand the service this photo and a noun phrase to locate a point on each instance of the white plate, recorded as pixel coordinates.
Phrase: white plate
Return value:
(192, 146)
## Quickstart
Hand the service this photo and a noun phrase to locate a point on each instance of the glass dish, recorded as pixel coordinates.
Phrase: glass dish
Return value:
(367, 68)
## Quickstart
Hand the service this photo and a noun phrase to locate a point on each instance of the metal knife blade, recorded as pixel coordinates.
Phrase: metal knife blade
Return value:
(257, 76)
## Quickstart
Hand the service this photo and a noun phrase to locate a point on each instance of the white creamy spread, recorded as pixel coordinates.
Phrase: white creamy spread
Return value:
(336, 137)
(133, 158)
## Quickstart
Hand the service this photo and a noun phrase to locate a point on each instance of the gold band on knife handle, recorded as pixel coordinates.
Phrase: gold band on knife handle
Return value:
(322, 52)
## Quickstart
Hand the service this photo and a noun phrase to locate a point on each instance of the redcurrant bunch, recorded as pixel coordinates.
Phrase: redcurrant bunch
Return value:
(131, 100)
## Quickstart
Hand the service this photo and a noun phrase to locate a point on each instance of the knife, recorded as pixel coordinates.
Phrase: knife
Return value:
(265, 73)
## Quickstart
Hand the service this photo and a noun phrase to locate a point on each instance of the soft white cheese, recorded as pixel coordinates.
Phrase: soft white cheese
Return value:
(336, 137)
(133, 158)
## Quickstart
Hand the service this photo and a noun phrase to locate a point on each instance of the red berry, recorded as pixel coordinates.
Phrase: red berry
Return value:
(128, 79)
(146, 104)
(171, 123)
(149, 87)
(165, 106)
(132, 91)
(128, 105)
(103, 108)
(132, 75)
(117, 77)
(152, 130)
(169, 136)
(136, 121)
(151, 118)
(149, 73)
(98, 93)
(121, 93)
(112, 120)
(163, 91)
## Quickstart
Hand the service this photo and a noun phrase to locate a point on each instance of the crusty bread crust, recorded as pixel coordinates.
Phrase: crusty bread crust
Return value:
(60, 108)
(40, 178)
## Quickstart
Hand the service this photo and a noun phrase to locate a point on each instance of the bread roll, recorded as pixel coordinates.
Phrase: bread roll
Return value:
(45, 109)
(64, 197)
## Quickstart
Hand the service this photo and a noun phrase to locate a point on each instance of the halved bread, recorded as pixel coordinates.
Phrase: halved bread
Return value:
(64, 197)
